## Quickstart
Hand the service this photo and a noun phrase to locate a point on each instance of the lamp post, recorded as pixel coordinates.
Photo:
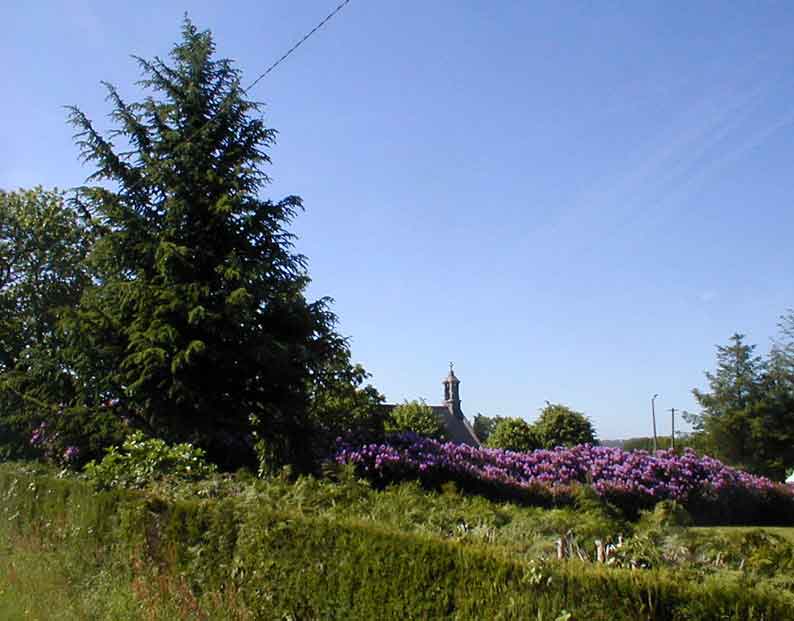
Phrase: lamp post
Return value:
(672, 434)
(653, 417)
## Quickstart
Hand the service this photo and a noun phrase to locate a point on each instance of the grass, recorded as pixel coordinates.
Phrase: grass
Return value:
(784, 532)
(42, 584)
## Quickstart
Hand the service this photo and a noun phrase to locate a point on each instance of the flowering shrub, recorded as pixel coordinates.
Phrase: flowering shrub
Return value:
(631, 480)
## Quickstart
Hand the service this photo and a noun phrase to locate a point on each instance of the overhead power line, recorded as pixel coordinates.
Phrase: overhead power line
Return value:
(327, 19)
(283, 57)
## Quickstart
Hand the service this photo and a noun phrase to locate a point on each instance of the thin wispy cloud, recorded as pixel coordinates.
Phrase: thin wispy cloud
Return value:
(714, 132)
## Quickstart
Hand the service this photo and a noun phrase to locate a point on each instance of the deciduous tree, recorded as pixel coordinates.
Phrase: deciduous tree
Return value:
(513, 434)
(43, 244)
(559, 425)
(415, 416)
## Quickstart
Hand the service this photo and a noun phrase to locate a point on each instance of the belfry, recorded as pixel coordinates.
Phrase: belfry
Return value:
(452, 392)
(456, 426)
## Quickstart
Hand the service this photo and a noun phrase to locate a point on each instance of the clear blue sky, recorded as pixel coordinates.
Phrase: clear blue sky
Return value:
(573, 201)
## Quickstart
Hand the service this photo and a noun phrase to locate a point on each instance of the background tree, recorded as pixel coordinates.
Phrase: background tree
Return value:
(747, 416)
(783, 347)
(646, 443)
(559, 425)
(484, 426)
(736, 389)
(197, 319)
(43, 244)
(415, 416)
(513, 434)
(42, 248)
(342, 404)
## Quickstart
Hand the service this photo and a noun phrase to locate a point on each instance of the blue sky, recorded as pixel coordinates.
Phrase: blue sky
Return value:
(573, 201)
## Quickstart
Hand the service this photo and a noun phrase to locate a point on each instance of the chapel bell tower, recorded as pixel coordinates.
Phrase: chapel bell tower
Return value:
(452, 393)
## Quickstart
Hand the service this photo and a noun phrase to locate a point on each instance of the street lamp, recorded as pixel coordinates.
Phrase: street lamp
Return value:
(672, 434)
(653, 416)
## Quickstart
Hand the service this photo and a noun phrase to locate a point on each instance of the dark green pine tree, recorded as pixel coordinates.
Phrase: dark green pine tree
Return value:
(198, 317)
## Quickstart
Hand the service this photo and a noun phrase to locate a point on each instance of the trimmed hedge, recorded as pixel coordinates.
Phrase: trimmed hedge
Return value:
(285, 566)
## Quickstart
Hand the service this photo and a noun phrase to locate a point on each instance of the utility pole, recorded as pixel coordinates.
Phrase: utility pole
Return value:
(672, 435)
(653, 416)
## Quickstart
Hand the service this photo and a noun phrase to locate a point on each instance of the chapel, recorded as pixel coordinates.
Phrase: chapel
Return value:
(456, 427)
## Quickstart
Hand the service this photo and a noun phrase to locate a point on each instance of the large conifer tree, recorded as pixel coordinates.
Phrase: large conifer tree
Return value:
(747, 416)
(197, 319)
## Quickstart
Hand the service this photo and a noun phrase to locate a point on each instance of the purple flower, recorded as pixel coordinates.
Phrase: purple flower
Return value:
(658, 476)
(39, 435)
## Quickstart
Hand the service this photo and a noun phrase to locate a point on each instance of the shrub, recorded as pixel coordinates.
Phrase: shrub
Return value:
(141, 460)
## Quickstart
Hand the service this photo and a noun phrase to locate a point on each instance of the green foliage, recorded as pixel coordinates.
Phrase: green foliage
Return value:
(559, 425)
(747, 416)
(197, 318)
(415, 416)
(513, 434)
(140, 461)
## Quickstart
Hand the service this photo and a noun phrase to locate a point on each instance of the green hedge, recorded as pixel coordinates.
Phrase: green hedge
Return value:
(284, 566)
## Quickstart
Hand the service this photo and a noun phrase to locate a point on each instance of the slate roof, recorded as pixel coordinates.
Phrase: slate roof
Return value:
(458, 429)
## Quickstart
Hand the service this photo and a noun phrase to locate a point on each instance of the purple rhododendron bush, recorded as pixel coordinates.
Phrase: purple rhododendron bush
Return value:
(632, 481)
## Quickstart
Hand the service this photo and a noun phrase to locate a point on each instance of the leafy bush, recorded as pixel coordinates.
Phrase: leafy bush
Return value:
(416, 417)
(141, 460)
